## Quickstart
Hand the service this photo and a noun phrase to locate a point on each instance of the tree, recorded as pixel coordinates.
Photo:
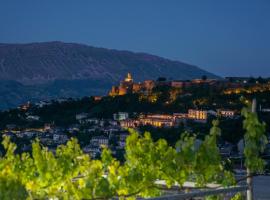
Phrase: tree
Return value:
(71, 174)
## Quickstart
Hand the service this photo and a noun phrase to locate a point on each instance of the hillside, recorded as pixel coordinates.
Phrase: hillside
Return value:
(54, 69)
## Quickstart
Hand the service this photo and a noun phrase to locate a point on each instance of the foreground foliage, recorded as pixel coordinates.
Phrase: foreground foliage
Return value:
(70, 174)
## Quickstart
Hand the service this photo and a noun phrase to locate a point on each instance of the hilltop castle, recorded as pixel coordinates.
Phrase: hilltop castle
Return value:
(128, 86)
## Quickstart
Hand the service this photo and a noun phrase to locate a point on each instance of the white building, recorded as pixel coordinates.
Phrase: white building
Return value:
(33, 118)
(60, 138)
(81, 116)
(120, 116)
(100, 141)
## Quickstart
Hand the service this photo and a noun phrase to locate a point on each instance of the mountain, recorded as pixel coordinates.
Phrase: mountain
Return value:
(53, 69)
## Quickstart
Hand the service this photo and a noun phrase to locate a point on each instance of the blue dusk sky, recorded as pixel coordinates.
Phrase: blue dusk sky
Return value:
(229, 37)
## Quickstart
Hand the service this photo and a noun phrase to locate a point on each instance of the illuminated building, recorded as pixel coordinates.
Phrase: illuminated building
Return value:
(157, 120)
(99, 141)
(128, 86)
(149, 84)
(226, 113)
(164, 120)
(177, 84)
(136, 87)
(180, 115)
(125, 87)
(197, 114)
(129, 123)
(26, 106)
(97, 98)
(129, 78)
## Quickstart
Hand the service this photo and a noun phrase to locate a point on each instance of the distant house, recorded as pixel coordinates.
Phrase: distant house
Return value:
(61, 100)
(180, 115)
(120, 116)
(33, 118)
(100, 141)
(98, 98)
(25, 107)
(81, 116)
(60, 138)
(199, 115)
(177, 84)
(48, 127)
(41, 104)
(73, 128)
(113, 123)
(29, 134)
(129, 123)
(226, 113)
(110, 130)
(158, 120)
(89, 121)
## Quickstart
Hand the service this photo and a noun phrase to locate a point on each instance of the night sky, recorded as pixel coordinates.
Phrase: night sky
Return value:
(229, 37)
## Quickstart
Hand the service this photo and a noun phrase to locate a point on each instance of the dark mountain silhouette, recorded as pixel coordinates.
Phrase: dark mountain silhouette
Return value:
(54, 69)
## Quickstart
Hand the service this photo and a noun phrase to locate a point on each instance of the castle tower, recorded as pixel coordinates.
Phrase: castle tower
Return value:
(129, 78)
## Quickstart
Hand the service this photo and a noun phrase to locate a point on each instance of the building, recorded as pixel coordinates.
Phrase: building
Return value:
(157, 122)
(226, 113)
(120, 116)
(148, 85)
(60, 138)
(180, 115)
(33, 118)
(48, 127)
(177, 84)
(200, 115)
(41, 104)
(136, 87)
(129, 123)
(128, 86)
(100, 141)
(81, 116)
(128, 79)
(98, 98)
(25, 107)
(152, 121)
(125, 87)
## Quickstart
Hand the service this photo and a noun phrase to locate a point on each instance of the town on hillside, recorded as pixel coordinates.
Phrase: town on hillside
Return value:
(166, 108)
